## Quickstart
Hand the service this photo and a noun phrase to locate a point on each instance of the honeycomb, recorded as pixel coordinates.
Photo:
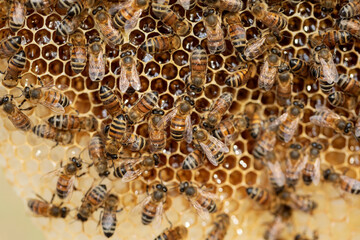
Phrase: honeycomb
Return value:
(27, 158)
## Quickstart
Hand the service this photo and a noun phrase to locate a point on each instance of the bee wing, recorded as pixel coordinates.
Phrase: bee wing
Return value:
(131, 24)
(131, 175)
(278, 174)
(279, 120)
(219, 144)
(317, 173)
(107, 220)
(300, 165)
(139, 207)
(213, 35)
(19, 13)
(96, 67)
(57, 107)
(166, 119)
(71, 187)
(263, 73)
(207, 194)
(158, 215)
(254, 47)
(123, 80)
(203, 213)
(291, 130)
(330, 73)
(209, 154)
(319, 120)
(55, 172)
(185, 4)
(135, 80)
(188, 129)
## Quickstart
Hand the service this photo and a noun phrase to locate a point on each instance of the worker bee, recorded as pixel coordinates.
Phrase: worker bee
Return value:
(324, 57)
(351, 9)
(9, 46)
(284, 87)
(327, 6)
(218, 110)
(97, 61)
(188, 4)
(269, 70)
(289, 122)
(259, 195)
(128, 16)
(176, 233)
(256, 47)
(275, 228)
(255, 123)
(214, 33)
(16, 15)
(295, 163)
(160, 7)
(220, 227)
(299, 67)
(198, 67)
(157, 134)
(69, 25)
(108, 219)
(178, 24)
(142, 107)
(73, 122)
(43, 5)
(238, 78)
(276, 176)
(116, 133)
(311, 172)
(324, 117)
(130, 169)
(228, 129)
(15, 115)
(201, 200)
(349, 85)
(76, 8)
(15, 67)
(212, 147)
(92, 200)
(265, 144)
(43, 208)
(161, 44)
(273, 20)
(98, 155)
(129, 75)
(103, 21)
(350, 25)
(331, 38)
(234, 6)
(236, 31)
(346, 183)
(110, 101)
(48, 132)
(134, 142)
(180, 120)
(300, 202)
(78, 52)
(194, 160)
(337, 99)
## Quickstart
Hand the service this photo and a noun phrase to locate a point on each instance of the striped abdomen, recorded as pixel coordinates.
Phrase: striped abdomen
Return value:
(121, 170)
(15, 67)
(78, 58)
(65, 122)
(206, 203)
(218, 155)
(265, 144)
(63, 186)
(349, 185)
(225, 129)
(157, 139)
(97, 148)
(48, 132)
(143, 106)
(259, 195)
(237, 79)
(110, 102)
(274, 20)
(96, 196)
(8, 47)
(177, 126)
(350, 25)
(237, 32)
(39, 207)
(20, 120)
(123, 15)
(112, 36)
(193, 160)
(349, 85)
(118, 127)
(108, 223)
(16, 16)
(53, 97)
(160, 7)
(160, 44)
(286, 130)
(215, 38)
(134, 142)
(350, 9)
(148, 213)
(333, 37)
(299, 66)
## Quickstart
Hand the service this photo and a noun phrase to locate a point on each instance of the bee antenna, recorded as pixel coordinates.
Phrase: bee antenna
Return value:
(167, 219)
(22, 92)
(178, 177)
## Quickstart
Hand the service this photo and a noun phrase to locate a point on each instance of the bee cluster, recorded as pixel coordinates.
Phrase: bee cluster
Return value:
(227, 106)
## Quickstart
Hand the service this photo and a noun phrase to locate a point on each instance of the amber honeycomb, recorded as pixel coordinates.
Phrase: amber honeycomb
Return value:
(26, 158)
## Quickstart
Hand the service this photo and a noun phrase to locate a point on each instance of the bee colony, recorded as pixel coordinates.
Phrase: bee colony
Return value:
(225, 119)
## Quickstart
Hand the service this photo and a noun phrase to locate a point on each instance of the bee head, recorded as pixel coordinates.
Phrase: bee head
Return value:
(348, 127)
(141, 3)
(183, 186)
(64, 212)
(156, 159)
(200, 135)
(77, 162)
(98, 9)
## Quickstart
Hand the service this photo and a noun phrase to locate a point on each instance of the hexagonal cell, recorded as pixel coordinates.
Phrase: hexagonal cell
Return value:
(35, 22)
(39, 67)
(62, 82)
(169, 71)
(199, 30)
(162, 58)
(176, 87)
(56, 67)
(152, 69)
(310, 25)
(49, 52)
(53, 21)
(32, 51)
(180, 58)
(78, 84)
(64, 52)
(136, 37)
(189, 43)
(26, 34)
(147, 24)
(350, 60)
(166, 101)
(194, 15)
(159, 85)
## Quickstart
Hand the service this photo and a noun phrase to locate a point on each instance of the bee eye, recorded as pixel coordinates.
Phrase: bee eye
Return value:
(158, 186)
(164, 189)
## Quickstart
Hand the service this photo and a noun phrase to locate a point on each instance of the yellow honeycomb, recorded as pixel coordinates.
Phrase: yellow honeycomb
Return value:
(26, 158)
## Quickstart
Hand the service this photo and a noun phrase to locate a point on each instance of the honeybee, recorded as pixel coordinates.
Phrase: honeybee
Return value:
(328, 6)
(300, 202)
(43, 5)
(214, 33)
(348, 85)
(108, 219)
(311, 171)
(176, 233)
(180, 120)
(289, 122)
(43, 208)
(157, 134)
(338, 99)
(116, 132)
(66, 4)
(194, 160)
(220, 227)
(128, 16)
(15, 67)
(134, 142)
(201, 200)
(265, 144)
(68, 25)
(76, 8)
(259, 195)
(275, 228)
(130, 169)
(16, 15)
(103, 21)
(161, 44)
(48, 132)
(218, 110)
(331, 38)
(255, 48)
(350, 25)
(347, 184)
(97, 61)
(129, 74)
(78, 52)
(110, 101)
(73, 122)
(142, 107)
(15, 115)
(198, 67)
(351, 9)
(238, 78)
(98, 155)
(255, 123)
(213, 148)
(226, 5)
(9, 46)
(236, 31)
(276, 176)
(228, 129)
(324, 117)
(295, 163)
(284, 87)
(178, 24)
(188, 4)
(269, 70)
(92, 200)
(272, 20)
(323, 56)
(160, 7)
(299, 67)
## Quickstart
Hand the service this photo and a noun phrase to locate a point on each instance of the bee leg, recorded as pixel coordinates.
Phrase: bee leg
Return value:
(120, 210)
(100, 217)
(52, 198)
(22, 103)
(40, 197)
(81, 175)
(27, 109)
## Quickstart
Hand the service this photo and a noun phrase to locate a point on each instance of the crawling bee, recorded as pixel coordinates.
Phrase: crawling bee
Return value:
(236, 31)
(331, 38)
(9, 46)
(276, 176)
(259, 195)
(157, 134)
(73, 122)
(228, 129)
(218, 110)
(43, 208)
(255, 122)
(194, 160)
(98, 155)
(15, 67)
(348, 85)
(129, 74)
(92, 200)
(128, 16)
(299, 67)
(97, 61)
(323, 56)
(198, 66)
(239, 78)
(48, 132)
(78, 52)
(289, 122)
(142, 107)
(134, 142)
(161, 44)
(108, 216)
(176, 23)
(300, 202)
(269, 71)
(176, 233)
(255, 48)
(219, 230)
(226, 5)
(16, 15)
(270, 19)
(284, 87)
(214, 33)
(350, 9)
(116, 133)
(295, 163)
(110, 101)
(15, 115)
(265, 144)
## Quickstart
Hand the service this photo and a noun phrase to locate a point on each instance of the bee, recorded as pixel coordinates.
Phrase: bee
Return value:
(15, 115)
(311, 171)
(73, 122)
(256, 47)
(78, 52)
(265, 144)
(349, 184)
(236, 31)
(129, 74)
(69, 25)
(103, 21)
(255, 123)
(130, 169)
(220, 227)
(66, 4)
(142, 107)
(238, 78)
(15, 67)
(134, 142)
(98, 155)
(348, 85)
(259, 195)
(188, 4)
(128, 16)
(272, 20)
(110, 101)
(226, 5)
(161, 44)
(299, 67)
(295, 163)
(176, 233)
(327, 6)
(194, 160)
(178, 24)
(350, 25)
(48, 132)
(160, 7)
(116, 132)
(92, 200)
(97, 61)
(212, 147)
(198, 68)
(201, 200)
(303, 237)
(218, 110)
(229, 128)
(43, 5)
(108, 219)
(214, 33)
(16, 15)
(180, 120)
(300, 202)
(284, 87)
(323, 56)
(337, 99)
(157, 134)
(43, 208)
(331, 38)
(269, 70)
(76, 8)
(351, 9)
(9, 46)
(275, 228)
(276, 176)
(289, 122)
(324, 117)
